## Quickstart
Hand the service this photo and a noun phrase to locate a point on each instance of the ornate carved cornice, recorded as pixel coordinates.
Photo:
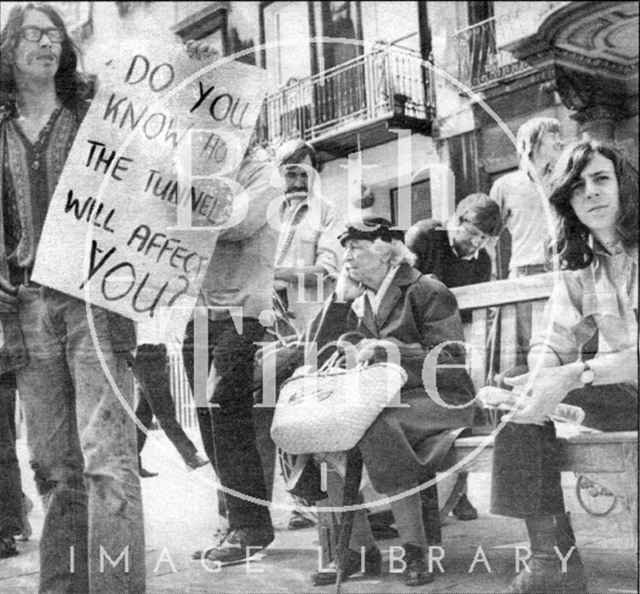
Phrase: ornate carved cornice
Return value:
(587, 36)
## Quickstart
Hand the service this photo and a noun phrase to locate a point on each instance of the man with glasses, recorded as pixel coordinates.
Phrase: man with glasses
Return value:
(456, 253)
(81, 439)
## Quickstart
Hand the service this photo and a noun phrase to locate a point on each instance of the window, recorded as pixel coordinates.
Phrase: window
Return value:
(420, 203)
(479, 11)
(482, 41)
(283, 22)
(339, 22)
(208, 23)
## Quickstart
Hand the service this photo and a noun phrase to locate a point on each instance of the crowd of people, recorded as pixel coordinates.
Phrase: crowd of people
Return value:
(323, 278)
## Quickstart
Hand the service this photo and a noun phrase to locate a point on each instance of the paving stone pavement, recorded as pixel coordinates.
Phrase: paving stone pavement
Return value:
(180, 518)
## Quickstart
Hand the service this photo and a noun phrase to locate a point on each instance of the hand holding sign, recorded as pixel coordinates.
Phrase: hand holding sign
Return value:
(201, 50)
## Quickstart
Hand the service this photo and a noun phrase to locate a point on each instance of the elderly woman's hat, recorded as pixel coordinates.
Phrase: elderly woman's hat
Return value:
(371, 229)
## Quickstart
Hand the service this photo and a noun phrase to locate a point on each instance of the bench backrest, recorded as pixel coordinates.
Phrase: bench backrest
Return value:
(506, 295)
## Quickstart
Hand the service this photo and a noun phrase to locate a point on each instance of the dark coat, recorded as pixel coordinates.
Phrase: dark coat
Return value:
(429, 241)
(405, 444)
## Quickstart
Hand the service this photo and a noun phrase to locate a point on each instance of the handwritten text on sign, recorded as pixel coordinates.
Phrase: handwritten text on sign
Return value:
(164, 134)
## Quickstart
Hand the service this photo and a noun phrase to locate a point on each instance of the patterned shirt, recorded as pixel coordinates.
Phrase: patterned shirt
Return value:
(30, 174)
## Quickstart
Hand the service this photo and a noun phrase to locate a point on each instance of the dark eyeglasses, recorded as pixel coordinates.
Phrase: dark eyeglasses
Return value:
(54, 34)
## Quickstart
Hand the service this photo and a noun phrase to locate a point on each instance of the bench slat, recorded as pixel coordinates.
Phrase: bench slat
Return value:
(478, 355)
(537, 318)
(493, 294)
(508, 336)
(596, 452)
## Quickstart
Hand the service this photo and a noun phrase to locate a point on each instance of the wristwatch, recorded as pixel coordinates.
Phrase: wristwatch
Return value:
(587, 376)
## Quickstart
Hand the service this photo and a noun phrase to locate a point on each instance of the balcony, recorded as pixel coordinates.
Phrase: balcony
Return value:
(480, 61)
(353, 104)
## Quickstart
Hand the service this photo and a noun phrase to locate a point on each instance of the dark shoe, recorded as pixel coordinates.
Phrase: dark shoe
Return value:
(416, 572)
(463, 510)
(238, 545)
(300, 521)
(546, 576)
(351, 565)
(195, 461)
(144, 473)
(7, 547)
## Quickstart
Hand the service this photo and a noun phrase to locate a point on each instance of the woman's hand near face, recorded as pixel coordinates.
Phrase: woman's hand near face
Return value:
(346, 288)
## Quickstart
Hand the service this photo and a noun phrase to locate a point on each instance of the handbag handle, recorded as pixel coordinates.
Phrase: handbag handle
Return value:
(333, 361)
(336, 360)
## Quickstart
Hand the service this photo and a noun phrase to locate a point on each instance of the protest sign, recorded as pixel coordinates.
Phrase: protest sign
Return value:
(149, 183)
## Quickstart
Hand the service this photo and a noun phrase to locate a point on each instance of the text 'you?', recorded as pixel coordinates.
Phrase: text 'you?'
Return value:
(149, 182)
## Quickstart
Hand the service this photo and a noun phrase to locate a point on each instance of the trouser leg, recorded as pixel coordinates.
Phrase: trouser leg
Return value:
(152, 370)
(91, 543)
(48, 399)
(431, 513)
(10, 484)
(108, 441)
(525, 476)
(238, 459)
(361, 535)
(407, 512)
(203, 413)
(262, 418)
(145, 416)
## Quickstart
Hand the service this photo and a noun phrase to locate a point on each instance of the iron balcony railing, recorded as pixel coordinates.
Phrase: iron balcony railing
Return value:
(480, 60)
(384, 83)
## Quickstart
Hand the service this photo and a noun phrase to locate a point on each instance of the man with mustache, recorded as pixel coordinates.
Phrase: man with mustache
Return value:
(308, 252)
(306, 257)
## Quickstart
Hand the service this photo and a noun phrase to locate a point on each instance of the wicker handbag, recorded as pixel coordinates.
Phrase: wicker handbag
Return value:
(330, 410)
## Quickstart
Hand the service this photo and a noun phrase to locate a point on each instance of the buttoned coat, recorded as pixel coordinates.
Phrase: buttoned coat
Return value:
(405, 444)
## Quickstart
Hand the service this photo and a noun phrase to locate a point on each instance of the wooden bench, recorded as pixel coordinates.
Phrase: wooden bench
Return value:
(606, 453)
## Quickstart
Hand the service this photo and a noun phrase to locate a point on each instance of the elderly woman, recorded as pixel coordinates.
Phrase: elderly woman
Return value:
(595, 195)
(381, 296)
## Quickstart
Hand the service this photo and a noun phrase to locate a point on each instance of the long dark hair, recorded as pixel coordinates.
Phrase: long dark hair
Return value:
(72, 87)
(573, 236)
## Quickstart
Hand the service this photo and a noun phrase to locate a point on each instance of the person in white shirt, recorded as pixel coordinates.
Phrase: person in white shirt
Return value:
(521, 196)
